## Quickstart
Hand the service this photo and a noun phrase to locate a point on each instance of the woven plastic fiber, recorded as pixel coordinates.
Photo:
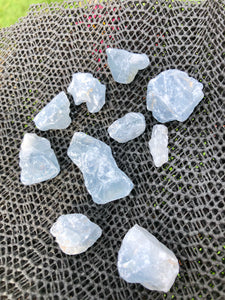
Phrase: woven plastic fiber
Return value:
(181, 203)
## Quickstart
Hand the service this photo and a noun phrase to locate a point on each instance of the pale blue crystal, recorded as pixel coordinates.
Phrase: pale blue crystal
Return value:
(103, 179)
(173, 95)
(37, 160)
(143, 259)
(55, 115)
(85, 88)
(158, 144)
(124, 65)
(128, 127)
(75, 233)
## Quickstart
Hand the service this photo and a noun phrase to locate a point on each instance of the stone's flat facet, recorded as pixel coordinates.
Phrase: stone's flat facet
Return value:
(143, 259)
(75, 233)
(55, 115)
(103, 179)
(85, 88)
(128, 127)
(158, 144)
(124, 65)
(37, 160)
(173, 95)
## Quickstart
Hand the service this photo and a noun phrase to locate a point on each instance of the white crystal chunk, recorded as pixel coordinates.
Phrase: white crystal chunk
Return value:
(55, 115)
(128, 127)
(173, 95)
(85, 88)
(75, 233)
(37, 160)
(143, 259)
(103, 179)
(124, 65)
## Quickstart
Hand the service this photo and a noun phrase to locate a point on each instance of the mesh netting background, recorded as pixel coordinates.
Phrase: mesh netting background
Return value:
(181, 203)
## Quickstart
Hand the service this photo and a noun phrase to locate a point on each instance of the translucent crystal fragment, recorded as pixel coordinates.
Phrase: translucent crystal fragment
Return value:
(103, 179)
(158, 144)
(37, 160)
(173, 95)
(124, 65)
(143, 259)
(85, 88)
(75, 233)
(55, 115)
(128, 127)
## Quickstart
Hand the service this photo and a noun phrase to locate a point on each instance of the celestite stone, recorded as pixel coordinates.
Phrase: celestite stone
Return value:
(143, 259)
(124, 65)
(103, 179)
(37, 160)
(173, 95)
(85, 88)
(55, 115)
(75, 233)
(158, 144)
(128, 127)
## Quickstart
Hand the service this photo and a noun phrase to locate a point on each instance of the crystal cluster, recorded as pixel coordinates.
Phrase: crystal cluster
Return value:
(173, 95)
(75, 233)
(158, 144)
(85, 88)
(37, 160)
(143, 259)
(55, 115)
(103, 179)
(128, 127)
(124, 65)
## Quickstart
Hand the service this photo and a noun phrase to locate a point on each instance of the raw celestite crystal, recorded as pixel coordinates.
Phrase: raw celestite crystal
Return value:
(37, 160)
(85, 88)
(158, 144)
(55, 115)
(143, 259)
(124, 65)
(75, 233)
(103, 179)
(173, 95)
(128, 127)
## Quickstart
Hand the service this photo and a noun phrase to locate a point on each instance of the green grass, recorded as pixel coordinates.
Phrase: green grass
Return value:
(11, 10)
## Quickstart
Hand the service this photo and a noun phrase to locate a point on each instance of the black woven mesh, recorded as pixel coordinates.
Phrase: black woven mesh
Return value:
(182, 203)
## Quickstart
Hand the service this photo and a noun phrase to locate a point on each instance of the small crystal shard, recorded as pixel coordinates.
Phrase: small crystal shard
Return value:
(85, 88)
(158, 144)
(75, 233)
(103, 179)
(128, 127)
(37, 160)
(173, 95)
(55, 115)
(124, 65)
(143, 259)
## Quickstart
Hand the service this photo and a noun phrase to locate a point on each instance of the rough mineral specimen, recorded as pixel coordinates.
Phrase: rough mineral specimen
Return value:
(158, 144)
(173, 95)
(103, 179)
(124, 65)
(85, 88)
(75, 233)
(143, 259)
(37, 160)
(128, 127)
(55, 115)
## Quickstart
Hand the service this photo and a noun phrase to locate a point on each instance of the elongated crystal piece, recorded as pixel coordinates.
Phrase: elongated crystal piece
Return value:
(103, 179)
